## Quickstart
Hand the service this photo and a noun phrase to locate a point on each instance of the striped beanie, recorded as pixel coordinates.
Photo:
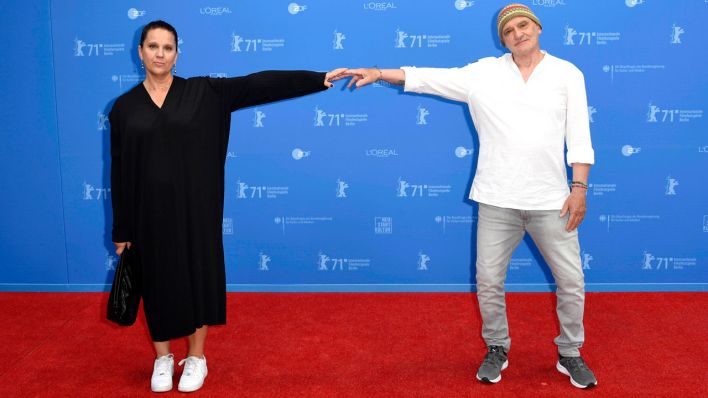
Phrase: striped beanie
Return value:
(512, 11)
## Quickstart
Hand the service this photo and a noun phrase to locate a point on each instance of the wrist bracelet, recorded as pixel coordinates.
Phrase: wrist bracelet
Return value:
(582, 184)
(380, 73)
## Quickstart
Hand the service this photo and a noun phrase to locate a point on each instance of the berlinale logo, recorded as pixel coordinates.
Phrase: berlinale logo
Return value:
(323, 118)
(102, 121)
(676, 32)
(402, 186)
(587, 257)
(236, 41)
(647, 259)
(110, 262)
(666, 115)
(258, 117)
(92, 193)
(79, 48)
(569, 36)
(323, 260)
(337, 41)
(243, 189)
(400, 37)
(420, 117)
(263, 260)
(341, 188)
(423, 260)
(671, 184)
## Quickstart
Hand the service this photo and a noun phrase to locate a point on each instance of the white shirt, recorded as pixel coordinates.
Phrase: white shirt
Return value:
(523, 127)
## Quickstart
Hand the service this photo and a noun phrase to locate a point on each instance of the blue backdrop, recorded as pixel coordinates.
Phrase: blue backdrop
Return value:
(365, 190)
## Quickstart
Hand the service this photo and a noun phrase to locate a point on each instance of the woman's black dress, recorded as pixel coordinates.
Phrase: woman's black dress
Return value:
(167, 182)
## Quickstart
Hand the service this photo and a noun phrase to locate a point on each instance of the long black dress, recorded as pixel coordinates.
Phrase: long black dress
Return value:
(167, 181)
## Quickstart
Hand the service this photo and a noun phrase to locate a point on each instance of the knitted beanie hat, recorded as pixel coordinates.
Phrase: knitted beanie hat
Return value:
(512, 11)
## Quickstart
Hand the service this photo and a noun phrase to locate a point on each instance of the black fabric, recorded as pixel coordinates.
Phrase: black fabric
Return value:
(167, 182)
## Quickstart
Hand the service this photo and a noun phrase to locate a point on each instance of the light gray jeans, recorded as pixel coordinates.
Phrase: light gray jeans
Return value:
(499, 231)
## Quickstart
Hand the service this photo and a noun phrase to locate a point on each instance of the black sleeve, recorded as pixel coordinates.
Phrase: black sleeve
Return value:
(120, 226)
(267, 86)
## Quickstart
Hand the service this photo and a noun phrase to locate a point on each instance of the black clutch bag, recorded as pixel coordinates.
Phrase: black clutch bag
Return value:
(125, 294)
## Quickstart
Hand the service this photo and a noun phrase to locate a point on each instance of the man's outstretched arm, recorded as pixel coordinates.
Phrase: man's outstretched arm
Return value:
(450, 83)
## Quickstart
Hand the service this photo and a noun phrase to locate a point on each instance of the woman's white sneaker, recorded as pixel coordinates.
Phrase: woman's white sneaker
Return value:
(195, 371)
(162, 372)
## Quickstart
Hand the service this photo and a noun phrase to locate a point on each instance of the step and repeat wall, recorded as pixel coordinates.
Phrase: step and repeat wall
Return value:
(367, 190)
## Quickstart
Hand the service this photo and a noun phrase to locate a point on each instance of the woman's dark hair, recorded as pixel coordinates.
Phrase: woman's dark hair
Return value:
(158, 24)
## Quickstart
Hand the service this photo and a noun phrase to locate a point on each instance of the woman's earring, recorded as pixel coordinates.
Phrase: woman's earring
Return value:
(174, 69)
(142, 65)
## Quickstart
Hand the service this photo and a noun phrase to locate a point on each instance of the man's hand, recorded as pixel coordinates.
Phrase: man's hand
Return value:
(363, 76)
(575, 205)
(120, 246)
(335, 75)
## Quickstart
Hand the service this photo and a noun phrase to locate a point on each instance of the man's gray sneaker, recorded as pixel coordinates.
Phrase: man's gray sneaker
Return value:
(494, 362)
(580, 375)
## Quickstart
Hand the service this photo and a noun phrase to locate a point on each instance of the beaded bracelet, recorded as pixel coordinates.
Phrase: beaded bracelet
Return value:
(582, 184)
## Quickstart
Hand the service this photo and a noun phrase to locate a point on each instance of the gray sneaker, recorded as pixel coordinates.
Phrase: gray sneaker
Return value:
(580, 375)
(494, 362)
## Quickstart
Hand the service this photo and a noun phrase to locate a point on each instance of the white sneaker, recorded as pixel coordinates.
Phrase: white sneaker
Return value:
(195, 371)
(162, 373)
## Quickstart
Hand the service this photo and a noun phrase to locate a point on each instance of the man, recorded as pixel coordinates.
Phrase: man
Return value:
(526, 106)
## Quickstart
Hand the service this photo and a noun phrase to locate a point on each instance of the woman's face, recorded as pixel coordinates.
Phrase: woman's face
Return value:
(158, 52)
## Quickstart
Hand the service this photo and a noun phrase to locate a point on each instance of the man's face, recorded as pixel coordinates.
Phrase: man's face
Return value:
(521, 35)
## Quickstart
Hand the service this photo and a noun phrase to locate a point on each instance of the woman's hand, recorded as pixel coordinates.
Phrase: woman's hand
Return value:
(334, 75)
(120, 246)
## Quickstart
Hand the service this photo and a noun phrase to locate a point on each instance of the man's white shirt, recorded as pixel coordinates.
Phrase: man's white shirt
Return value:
(523, 127)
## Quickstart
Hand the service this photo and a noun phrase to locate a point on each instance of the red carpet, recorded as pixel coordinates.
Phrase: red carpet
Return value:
(360, 345)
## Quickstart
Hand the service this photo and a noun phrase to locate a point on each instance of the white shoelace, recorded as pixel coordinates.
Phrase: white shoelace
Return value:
(191, 366)
(162, 364)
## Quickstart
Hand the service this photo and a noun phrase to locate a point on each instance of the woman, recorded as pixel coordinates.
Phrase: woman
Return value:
(169, 138)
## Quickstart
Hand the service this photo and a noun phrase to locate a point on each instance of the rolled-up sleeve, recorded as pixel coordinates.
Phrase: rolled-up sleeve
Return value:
(577, 135)
(450, 83)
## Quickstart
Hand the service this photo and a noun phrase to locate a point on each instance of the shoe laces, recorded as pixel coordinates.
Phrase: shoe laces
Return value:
(162, 364)
(192, 365)
(495, 355)
(576, 363)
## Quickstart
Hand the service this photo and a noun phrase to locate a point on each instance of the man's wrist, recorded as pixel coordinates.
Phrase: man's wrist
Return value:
(578, 190)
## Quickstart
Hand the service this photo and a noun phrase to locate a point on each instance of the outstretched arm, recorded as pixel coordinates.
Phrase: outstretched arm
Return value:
(269, 86)
(450, 83)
